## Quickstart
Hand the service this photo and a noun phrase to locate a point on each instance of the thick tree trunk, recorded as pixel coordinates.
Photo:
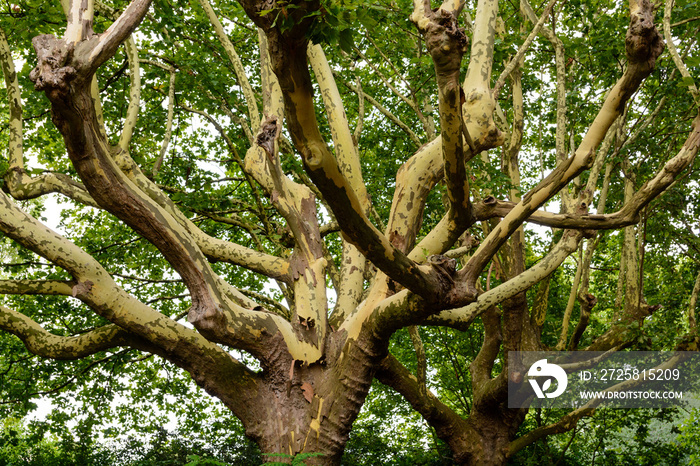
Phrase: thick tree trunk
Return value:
(310, 408)
(483, 438)
(495, 430)
(294, 406)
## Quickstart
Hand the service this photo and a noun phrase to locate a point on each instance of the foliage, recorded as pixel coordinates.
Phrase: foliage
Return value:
(103, 406)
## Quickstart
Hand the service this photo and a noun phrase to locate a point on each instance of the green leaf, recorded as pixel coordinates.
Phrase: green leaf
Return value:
(686, 81)
(345, 40)
(692, 62)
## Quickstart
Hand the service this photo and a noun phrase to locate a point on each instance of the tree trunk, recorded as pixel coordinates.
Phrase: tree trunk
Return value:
(495, 429)
(310, 409)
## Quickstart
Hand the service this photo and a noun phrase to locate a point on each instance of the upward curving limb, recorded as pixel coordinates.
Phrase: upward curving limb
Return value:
(345, 148)
(353, 262)
(479, 105)
(132, 111)
(19, 183)
(643, 45)
(287, 52)
(108, 42)
(288, 56)
(414, 181)
(447, 43)
(249, 94)
(47, 345)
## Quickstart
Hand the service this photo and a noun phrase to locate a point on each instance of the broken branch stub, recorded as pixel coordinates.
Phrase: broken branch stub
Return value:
(269, 132)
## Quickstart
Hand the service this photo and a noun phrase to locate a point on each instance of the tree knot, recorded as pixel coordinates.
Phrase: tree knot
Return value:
(588, 302)
(643, 43)
(490, 201)
(446, 41)
(53, 73)
(445, 268)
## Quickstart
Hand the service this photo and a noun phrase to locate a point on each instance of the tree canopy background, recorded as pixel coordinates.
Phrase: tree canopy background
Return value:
(470, 180)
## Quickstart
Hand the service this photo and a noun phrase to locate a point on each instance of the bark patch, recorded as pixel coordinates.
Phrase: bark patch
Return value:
(52, 73)
(308, 391)
(82, 288)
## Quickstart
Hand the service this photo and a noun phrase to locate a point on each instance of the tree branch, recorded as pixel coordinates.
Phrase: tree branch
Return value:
(118, 32)
(353, 263)
(42, 343)
(32, 287)
(479, 104)
(692, 88)
(421, 361)
(235, 60)
(693, 302)
(132, 112)
(168, 124)
(79, 16)
(414, 181)
(458, 317)
(393, 118)
(643, 46)
(288, 53)
(447, 43)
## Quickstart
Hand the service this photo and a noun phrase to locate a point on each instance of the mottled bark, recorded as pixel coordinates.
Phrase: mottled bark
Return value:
(316, 371)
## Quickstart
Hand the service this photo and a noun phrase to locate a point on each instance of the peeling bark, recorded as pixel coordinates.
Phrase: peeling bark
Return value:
(316, 371)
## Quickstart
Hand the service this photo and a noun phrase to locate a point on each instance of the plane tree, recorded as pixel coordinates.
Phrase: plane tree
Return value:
(222, 168)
